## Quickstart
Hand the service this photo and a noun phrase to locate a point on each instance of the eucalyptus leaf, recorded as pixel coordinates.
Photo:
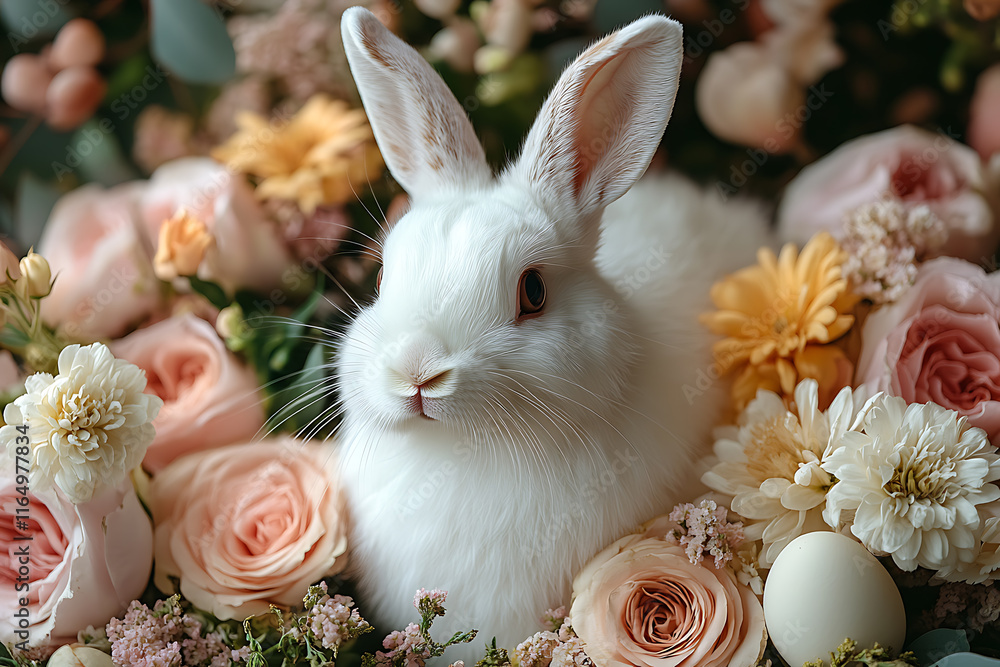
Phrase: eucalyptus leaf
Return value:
(936, 644)
(966, 660)
(28, 19)
(34, 203)
(190, 39)
(101, 156)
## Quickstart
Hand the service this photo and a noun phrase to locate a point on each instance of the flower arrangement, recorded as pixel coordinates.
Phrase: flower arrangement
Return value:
(189, 223)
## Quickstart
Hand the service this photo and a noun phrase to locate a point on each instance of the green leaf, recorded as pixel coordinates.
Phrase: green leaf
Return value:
(190, 39)
(215, 294)
(301, 403)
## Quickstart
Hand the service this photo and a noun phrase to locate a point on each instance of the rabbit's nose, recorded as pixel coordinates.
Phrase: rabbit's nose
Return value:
(440, 384)
(436, 383)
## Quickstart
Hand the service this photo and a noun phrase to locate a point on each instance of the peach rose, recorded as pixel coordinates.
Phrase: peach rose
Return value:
(984, 120)
(247, 526)
(104, 280)
(248, 249)
(940, 342)
(210, 398)
(87, 562)
(905, 164)
(642, 603)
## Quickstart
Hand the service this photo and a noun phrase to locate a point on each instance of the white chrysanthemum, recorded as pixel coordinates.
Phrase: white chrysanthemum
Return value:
(88, 426)
(770, 464)
(985, 566)
(913, 476)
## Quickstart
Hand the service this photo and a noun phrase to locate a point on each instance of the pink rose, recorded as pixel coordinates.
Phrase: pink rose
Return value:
(247, 249)
(984, 117)
(87, 562)
(247, 526)
(940, 342)
(210, 398)
(10, 374)
(904, 164)
(642, 603)
(104, 281)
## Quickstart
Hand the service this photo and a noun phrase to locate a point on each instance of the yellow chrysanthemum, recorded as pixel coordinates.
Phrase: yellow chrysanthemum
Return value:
(322, 156)
(778, 318)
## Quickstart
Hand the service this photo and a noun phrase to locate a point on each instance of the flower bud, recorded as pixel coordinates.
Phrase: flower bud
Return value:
(232, 327)
(182, 245)
(36, 276)
(75, 655)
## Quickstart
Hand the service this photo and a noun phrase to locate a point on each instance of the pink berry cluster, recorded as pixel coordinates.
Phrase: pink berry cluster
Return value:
(61, 83)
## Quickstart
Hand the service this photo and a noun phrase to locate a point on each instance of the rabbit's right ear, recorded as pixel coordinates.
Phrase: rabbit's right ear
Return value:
(601, 124)
(425, 137)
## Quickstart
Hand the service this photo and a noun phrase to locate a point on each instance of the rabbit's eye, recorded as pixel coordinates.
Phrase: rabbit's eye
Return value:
(531, 293)
(378, 280)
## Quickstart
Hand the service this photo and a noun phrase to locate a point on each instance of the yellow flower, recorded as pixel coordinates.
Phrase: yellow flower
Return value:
(182, 245)
(322, 156)
(778, 318)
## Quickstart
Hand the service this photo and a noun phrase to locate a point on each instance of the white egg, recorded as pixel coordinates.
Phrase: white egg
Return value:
(825, 587)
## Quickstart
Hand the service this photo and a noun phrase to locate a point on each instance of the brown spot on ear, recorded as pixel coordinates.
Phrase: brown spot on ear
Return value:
(397, 150)
(375, 52)
(436, 163)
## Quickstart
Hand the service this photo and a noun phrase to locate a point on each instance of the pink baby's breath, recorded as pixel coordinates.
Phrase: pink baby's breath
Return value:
(167, 637)
(704, 530)
(333, 620)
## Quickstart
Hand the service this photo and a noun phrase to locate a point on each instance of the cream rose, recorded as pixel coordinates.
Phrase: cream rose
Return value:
(907, 165)
(745, 96)
(87, 562)
(104, 281)
(210, 397)
(246, 526)
(247, 250)
(940, 343)
(642, 603)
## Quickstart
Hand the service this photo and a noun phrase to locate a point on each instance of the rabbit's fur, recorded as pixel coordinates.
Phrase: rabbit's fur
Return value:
(552, 436)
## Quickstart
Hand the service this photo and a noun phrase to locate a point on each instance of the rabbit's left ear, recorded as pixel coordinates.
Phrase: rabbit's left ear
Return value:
(425, 137)
(601, 124)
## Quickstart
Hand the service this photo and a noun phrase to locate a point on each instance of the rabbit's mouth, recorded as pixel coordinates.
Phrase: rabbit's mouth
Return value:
(419, 405)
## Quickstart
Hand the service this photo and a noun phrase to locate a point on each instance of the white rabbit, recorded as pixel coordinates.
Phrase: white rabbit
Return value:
(532, 381)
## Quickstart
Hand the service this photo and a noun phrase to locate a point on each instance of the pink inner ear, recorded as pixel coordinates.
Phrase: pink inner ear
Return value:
(599, 118)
